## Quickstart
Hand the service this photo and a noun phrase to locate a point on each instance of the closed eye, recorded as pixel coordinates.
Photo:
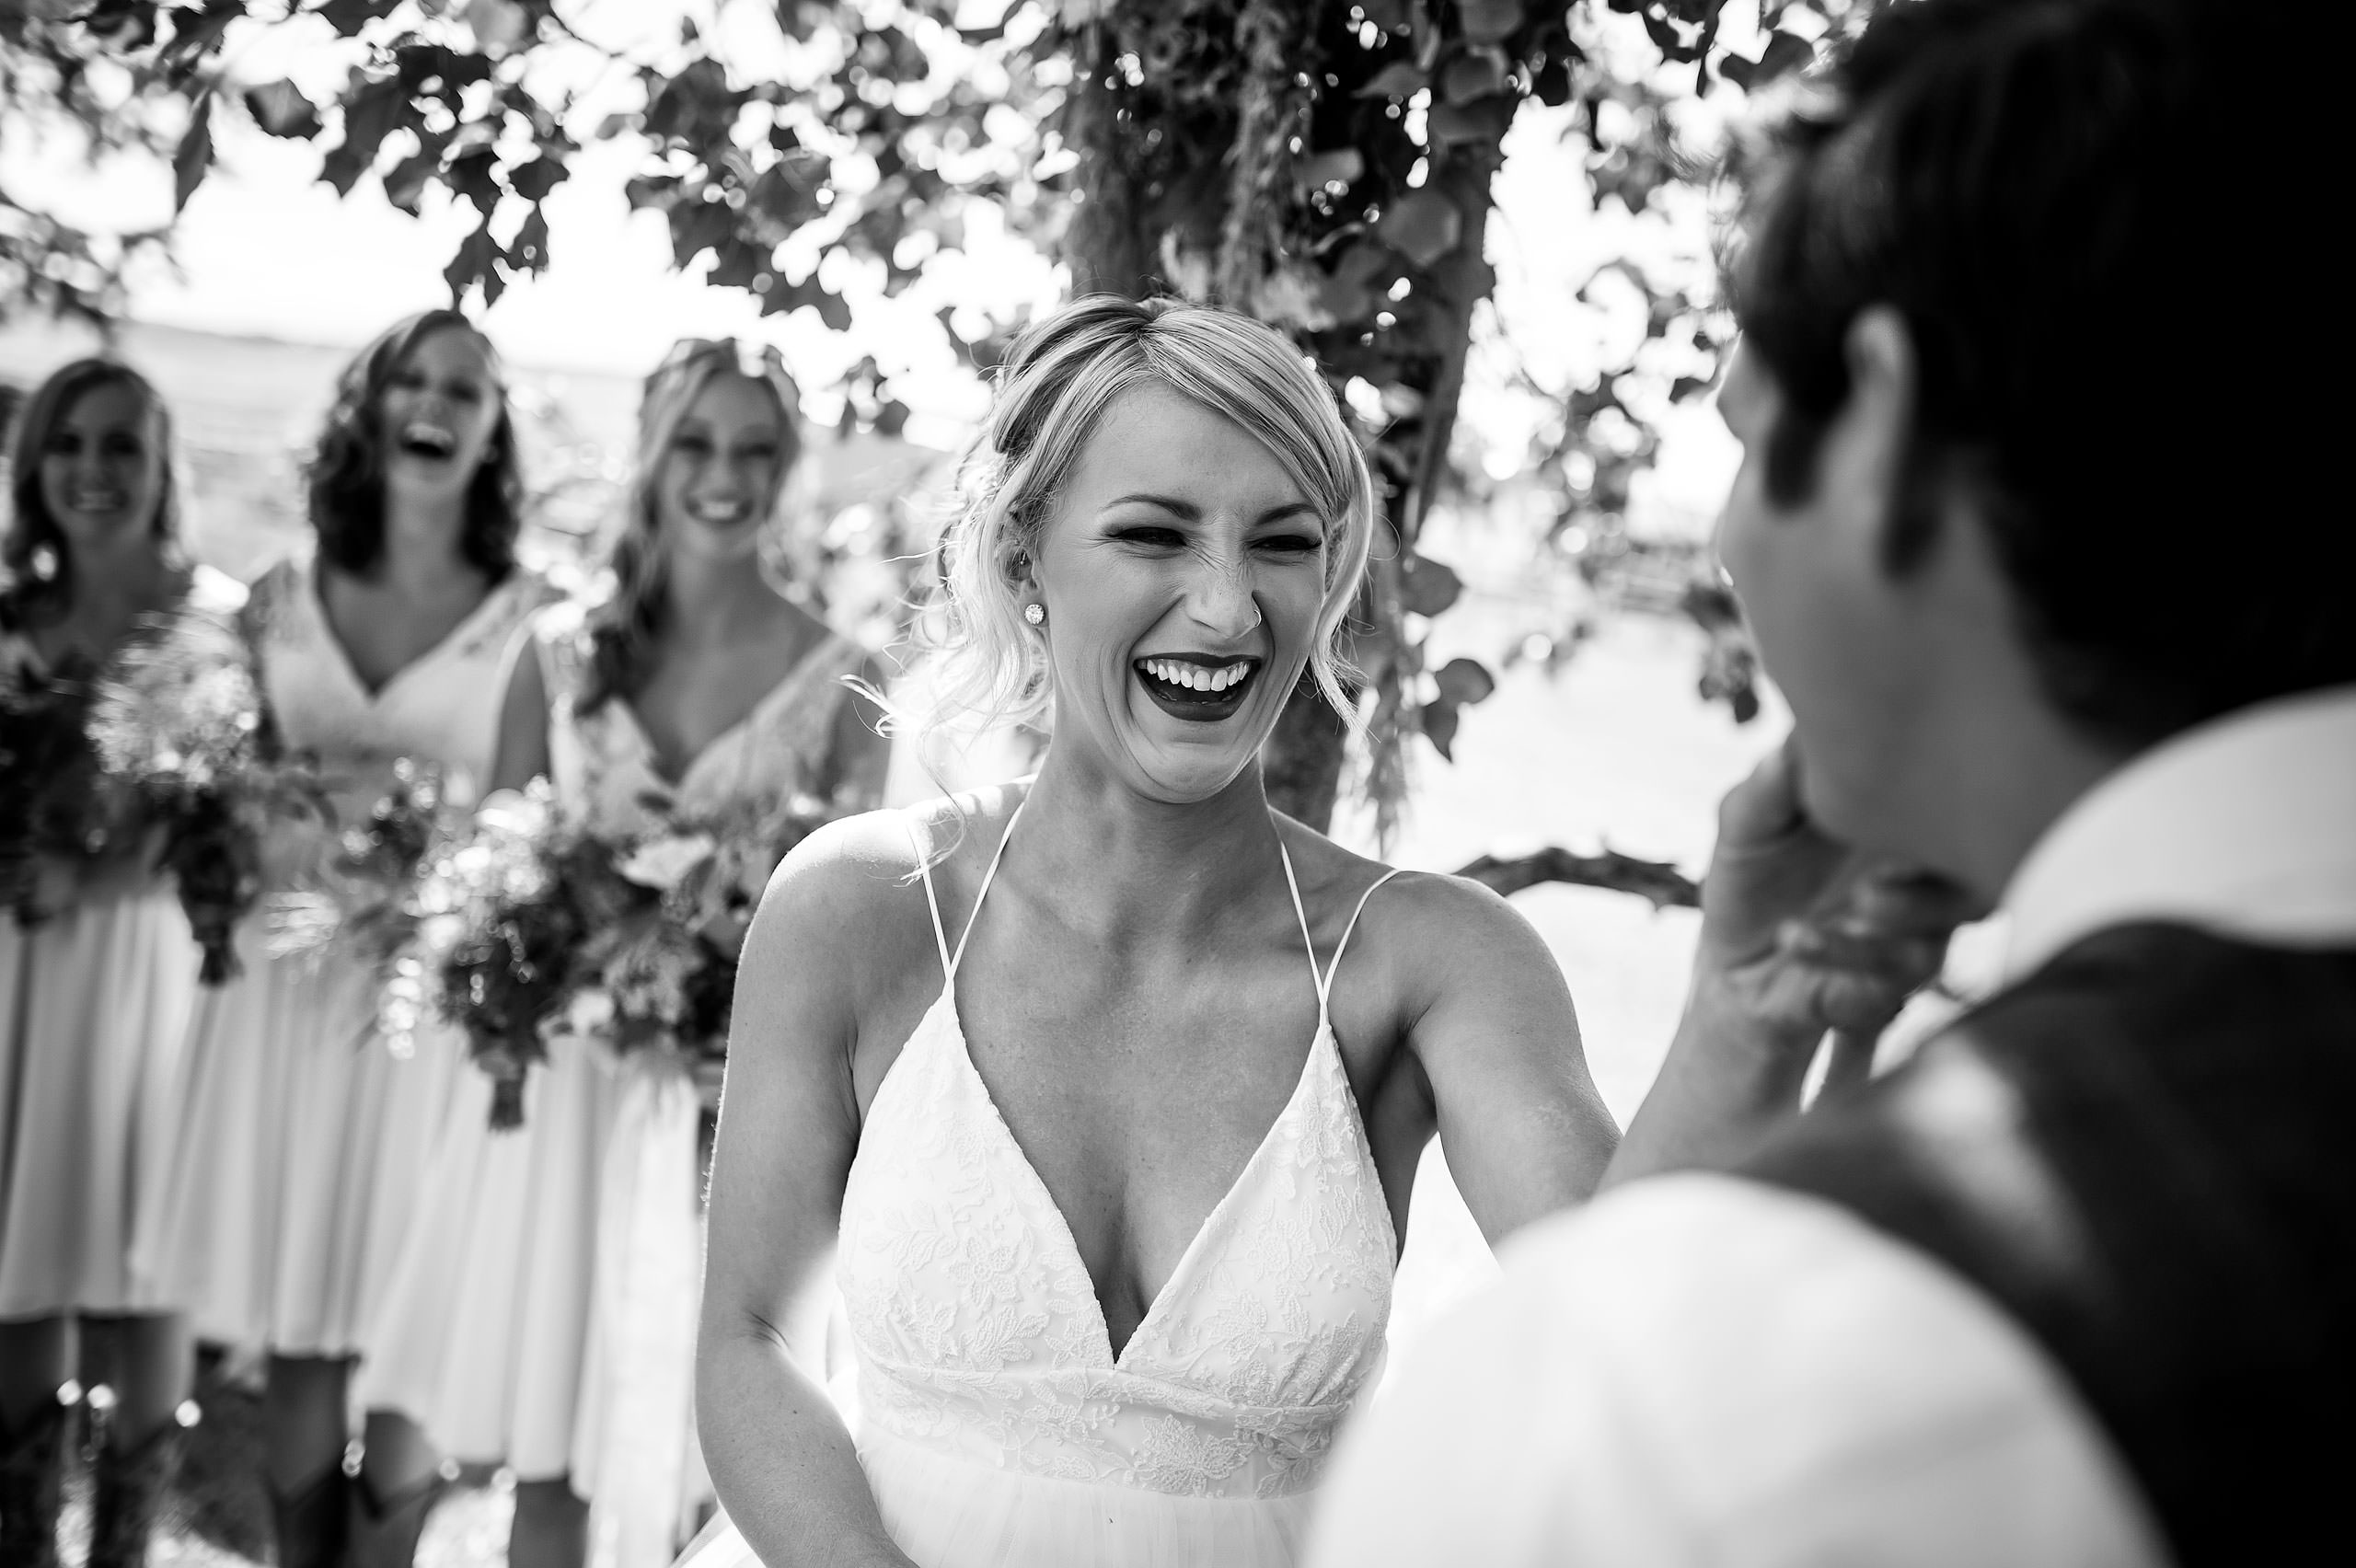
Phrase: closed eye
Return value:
(1290, 544)
(1150, 535)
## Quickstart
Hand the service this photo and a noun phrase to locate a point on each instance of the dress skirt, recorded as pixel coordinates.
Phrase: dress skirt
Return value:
(485, 1316)
(94, 1006)
(301, 1144)
(949, 1512)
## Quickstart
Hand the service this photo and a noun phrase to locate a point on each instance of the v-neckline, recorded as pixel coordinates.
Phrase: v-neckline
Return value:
(1061, 1225)
(374, 696)
(743, 722)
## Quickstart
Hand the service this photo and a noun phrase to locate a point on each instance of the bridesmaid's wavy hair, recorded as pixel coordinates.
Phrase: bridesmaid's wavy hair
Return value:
(1063, 373)
(623, 631)
(346, 474)
(36, 561)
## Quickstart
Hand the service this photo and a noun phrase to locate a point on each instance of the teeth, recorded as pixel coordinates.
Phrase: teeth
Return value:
(1193, 677)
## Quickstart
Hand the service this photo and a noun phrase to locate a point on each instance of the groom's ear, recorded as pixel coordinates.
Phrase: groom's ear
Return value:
(1870, 443)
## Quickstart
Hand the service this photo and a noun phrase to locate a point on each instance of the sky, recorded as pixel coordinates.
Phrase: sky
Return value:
(264, 249)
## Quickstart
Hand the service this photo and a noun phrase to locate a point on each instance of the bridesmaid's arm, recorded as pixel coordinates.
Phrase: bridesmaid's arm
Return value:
(780, 1457)
(1493, 1031)
(522, 754)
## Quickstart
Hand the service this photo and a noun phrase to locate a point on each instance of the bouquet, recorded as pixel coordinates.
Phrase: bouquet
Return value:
(183, 724)
(359, 897)
(634, 939)
(51, 809)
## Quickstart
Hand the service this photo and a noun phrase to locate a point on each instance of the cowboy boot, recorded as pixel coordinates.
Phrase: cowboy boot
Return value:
(383, 1531)
(312, 1523)
(32, 1467)
(127, 1492)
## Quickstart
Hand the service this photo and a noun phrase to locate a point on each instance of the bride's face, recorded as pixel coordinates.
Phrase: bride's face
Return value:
(1183, 571)
(721, 476)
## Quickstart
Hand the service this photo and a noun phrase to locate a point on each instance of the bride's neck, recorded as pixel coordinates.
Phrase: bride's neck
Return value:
(1137, 866)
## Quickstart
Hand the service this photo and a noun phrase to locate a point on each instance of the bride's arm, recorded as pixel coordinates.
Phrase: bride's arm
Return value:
(779, 1456)
(1492, 1034)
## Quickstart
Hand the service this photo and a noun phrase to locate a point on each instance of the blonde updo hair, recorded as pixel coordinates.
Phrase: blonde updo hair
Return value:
(1063, 373)
(625, 629)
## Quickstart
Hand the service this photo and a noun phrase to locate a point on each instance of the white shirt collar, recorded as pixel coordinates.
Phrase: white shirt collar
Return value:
(2245, 826)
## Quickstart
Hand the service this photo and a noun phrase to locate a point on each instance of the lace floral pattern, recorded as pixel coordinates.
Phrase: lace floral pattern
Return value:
(979, 1334)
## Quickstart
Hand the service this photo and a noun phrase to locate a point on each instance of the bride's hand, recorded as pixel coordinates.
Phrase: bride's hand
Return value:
(1802, 935)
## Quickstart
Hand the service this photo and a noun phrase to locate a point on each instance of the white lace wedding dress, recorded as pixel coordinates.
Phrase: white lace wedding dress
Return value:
(997, 1426)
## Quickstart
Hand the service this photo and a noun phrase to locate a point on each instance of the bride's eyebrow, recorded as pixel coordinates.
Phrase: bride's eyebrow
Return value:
(1185, 508)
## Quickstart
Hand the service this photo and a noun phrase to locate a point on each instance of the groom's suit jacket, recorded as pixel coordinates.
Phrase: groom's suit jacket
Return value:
(2145, 1154)
(2072, 1286)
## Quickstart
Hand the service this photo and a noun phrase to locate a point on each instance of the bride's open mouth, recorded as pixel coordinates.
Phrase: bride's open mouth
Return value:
(1196, 687)
(418, 439)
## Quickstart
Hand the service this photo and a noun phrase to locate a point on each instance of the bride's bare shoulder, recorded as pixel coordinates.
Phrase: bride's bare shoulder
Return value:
(855, 887)
(1421, 919)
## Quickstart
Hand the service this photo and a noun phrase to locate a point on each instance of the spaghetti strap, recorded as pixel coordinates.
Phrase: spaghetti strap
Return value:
(951, 960)
(1301, 914)
(924, 867)
(1324, 982)
(1325, 986)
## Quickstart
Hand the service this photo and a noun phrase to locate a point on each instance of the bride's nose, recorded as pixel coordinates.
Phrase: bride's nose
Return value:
(1220, 597)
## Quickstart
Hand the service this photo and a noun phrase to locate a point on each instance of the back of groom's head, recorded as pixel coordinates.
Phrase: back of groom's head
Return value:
(2080, 210)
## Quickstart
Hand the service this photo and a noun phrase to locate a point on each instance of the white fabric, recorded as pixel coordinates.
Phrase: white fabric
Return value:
(302, 1138)
(94, 1006)
(2244, 827)
(996, 1426)
(543, 1311)
(1697, 1368)
(1700, 1371)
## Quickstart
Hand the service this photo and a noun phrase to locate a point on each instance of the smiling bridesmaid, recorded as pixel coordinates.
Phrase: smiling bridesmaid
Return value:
(93, 995)
(541, 1314)
(304, 1136)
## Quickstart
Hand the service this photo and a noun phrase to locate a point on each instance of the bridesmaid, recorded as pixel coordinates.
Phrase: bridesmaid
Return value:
(304, 1138)
(95, 998)
(512, 1331)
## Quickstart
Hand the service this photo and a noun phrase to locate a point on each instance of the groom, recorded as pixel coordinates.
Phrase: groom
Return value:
(2077, 1284)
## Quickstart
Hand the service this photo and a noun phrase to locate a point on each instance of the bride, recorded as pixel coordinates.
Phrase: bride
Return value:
(1106, 1094)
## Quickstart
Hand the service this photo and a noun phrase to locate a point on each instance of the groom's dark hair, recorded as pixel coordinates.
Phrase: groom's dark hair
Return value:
(2083, 209)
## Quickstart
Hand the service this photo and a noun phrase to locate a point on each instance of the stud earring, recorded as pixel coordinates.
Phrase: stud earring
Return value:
(1035, 613)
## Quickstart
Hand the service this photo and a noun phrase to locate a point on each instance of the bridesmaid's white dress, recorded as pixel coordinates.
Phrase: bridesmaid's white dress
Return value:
(302, 1138)
(542, 1313)
(996, 1427)
(94, 1005)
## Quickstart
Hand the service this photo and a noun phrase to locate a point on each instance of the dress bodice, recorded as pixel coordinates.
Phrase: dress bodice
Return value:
(442, 706)
(605, 769)
(977, 1332)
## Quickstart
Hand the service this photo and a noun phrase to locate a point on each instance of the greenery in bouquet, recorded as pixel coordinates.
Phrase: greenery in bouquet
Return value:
(501, 917)
(358, 896)
(631, 940)
(181, 723)
(53, 809)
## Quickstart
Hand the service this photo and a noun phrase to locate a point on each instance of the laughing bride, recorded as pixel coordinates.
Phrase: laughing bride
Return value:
(1104, 1094)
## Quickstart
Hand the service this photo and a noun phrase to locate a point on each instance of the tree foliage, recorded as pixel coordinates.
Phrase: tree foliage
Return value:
(1325, 166)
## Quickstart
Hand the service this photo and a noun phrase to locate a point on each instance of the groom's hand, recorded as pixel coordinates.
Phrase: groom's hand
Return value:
(1800, 934)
